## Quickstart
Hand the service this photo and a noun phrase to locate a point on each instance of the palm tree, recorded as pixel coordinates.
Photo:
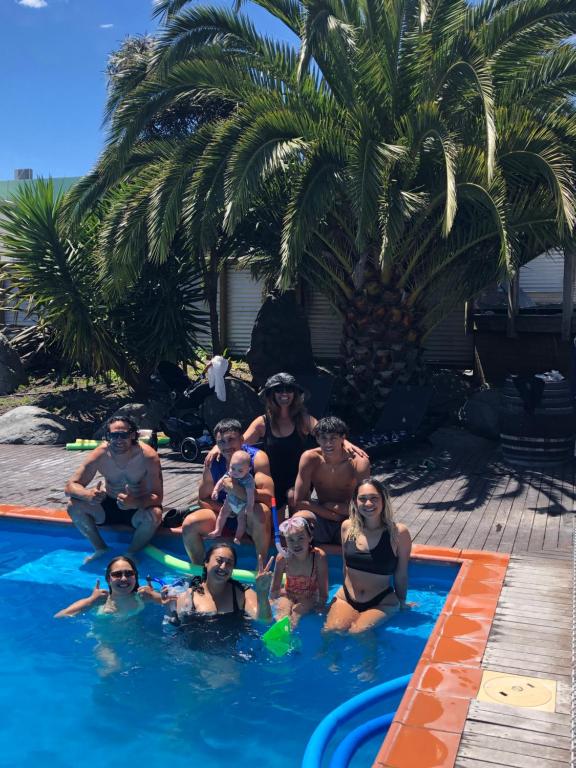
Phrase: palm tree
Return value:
(423, 148)
(55, 272)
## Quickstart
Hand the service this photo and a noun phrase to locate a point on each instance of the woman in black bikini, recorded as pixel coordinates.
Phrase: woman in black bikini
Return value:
(374, 549)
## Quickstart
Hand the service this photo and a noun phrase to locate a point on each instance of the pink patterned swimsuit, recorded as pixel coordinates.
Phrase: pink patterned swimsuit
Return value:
(300, 588)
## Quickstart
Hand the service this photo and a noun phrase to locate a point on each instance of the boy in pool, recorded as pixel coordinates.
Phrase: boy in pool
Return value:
(239, 500)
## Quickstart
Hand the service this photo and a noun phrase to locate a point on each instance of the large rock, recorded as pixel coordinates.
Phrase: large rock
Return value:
(12, 372)
(280, 339)
(241, 403)
(480, 414)
(28, 425)
(146, 415)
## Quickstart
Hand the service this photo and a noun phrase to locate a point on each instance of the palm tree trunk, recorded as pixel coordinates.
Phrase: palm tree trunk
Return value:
(380, 346)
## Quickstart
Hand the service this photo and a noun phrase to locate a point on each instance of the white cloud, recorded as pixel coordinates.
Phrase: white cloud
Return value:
(106, 26)
(33, 3)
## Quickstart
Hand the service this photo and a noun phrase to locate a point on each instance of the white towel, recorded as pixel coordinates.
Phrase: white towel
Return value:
(216, 372)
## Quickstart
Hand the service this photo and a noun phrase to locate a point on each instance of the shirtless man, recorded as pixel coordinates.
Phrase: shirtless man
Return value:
(334, 473)
(133, 488)
(228, 437)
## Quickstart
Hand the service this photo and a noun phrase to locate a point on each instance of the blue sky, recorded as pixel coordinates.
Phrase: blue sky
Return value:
(53, 57)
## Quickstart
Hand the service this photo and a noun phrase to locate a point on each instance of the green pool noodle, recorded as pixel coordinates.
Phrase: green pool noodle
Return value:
(169, 561)
(83, 445)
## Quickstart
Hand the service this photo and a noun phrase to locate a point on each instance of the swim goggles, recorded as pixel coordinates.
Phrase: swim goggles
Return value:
(295, 525)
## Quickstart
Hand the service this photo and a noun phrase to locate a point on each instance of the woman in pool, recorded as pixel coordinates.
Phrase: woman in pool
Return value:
(124, 596)
(285, 432)
(374, 549)
(306, 570)
(216, 593)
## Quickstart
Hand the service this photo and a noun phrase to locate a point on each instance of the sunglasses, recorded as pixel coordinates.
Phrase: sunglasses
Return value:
(122, 574)
(118, 435)
(287, 389)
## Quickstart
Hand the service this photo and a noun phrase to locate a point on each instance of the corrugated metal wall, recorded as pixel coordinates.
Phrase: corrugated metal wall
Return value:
(447, 343)
(244, 299)
(542, 278)
(325, 326)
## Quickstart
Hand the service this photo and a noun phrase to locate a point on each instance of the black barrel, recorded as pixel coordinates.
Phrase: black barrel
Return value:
(537, 431)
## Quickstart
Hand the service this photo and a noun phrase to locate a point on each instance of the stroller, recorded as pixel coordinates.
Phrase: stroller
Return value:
(184, 426)
(196, 410)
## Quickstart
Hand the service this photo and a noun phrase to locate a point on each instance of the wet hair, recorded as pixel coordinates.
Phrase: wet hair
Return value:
(330, 425)
(132, 426)
(386, 516)
(197, 583)
(110, 568)
(227, 425)
(296, 410)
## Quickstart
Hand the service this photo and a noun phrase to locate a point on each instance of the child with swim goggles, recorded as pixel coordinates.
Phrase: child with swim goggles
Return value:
(306, 569)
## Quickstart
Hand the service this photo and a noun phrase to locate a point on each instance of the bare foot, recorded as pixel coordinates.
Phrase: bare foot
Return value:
(212, 535)
(96, 554)
(237, 541)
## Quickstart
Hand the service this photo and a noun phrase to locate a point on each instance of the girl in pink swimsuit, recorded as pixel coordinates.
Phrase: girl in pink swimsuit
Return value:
(306, 570)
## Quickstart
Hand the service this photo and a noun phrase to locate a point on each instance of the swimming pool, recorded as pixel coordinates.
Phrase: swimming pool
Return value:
(167, 704)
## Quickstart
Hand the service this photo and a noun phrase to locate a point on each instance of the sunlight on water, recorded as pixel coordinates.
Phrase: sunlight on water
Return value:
(99, 691)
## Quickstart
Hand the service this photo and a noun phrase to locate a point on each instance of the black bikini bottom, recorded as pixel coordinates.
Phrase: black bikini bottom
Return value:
(361, 607)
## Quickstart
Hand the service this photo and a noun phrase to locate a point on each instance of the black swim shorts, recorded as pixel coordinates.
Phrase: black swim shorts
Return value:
(327, 531)
(114, 515)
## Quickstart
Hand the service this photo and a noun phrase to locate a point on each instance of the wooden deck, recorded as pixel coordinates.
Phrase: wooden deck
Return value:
(462, 500)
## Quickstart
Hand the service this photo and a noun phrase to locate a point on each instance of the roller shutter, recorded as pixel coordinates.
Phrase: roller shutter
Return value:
(447, 344)
(542, 277)
(243, 300)
(325, 326)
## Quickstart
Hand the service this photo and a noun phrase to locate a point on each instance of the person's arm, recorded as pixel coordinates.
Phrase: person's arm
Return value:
(205, 491)
(322, 575)
(153, 496)
(149, 594)
(401, 572)
(217, 488)
(362, 467)
(302, 489)
(250, 497)
(256, 601)
(255, 431)
(76, 485)
(264, 486)
(279, 570)
(97, 596)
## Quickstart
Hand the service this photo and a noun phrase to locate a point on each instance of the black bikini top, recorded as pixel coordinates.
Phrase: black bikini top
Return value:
(380, 560)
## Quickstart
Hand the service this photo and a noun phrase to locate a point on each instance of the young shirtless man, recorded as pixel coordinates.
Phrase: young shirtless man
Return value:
(198, 524)
(334, 473)
(133, 488)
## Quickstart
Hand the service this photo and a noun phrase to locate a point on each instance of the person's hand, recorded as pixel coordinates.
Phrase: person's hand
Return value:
(213, 454)
(148, 592)
(97, 494)
(98, 594)
(354, 450)
(127, 499)
(214, 494)
(404, 606)
(263, 580)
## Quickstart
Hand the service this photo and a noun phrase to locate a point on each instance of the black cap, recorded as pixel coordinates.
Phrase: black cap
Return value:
(281, 380)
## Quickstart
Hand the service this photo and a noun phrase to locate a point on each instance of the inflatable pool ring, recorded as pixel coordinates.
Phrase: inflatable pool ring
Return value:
(170, 561)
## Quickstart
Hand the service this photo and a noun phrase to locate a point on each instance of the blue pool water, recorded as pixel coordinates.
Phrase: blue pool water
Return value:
(166, 704)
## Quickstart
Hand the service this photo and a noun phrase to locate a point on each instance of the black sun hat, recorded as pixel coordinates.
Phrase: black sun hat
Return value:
(281, 380)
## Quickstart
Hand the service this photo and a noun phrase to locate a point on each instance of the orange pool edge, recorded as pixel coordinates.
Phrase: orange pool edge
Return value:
(430, 719)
